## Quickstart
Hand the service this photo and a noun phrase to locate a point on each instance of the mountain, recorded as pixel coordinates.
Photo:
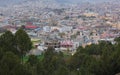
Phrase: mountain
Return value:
(11, 2)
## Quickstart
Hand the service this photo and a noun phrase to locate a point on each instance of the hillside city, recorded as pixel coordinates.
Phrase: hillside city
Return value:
(63, 27)
(59, 37)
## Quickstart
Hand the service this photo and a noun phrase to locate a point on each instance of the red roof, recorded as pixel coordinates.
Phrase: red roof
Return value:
(31, 26)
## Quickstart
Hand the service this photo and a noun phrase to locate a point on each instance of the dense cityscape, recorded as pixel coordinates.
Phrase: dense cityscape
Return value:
(67, 27)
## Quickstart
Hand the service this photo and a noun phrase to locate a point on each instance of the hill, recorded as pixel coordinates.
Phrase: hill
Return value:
(11, 2)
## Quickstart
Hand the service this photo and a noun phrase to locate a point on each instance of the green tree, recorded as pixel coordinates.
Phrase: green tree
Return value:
(7, 42)
(23, 42)
(52, 61)
(10, 65)
(117, 40)
(33, 60)
(21, 70)
(8, 62)
(47, 61)
(40, 69)
(1, 53)
(62, 71)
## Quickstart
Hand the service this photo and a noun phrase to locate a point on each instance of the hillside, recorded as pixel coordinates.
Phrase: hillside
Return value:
(11, 2)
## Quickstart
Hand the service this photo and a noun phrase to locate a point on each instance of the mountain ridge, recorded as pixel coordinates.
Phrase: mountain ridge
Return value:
(12, 2)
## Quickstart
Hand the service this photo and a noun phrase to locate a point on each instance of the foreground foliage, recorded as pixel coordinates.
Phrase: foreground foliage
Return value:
(95, 59)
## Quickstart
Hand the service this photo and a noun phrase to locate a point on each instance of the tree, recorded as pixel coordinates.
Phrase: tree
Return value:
(10, 65)
(8, 62)
(7, 42)
(52, 61)
(117, 40)
(23, 42)
(33, 60)
(40, 69)
(1, 53)
(48, 61)
(62, 71)
(20, 70)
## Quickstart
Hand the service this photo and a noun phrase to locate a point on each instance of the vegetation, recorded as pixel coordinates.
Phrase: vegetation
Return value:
(95, 59)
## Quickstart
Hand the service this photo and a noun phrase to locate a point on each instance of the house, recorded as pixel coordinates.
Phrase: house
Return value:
(66, 44)
(31, 27)
(46, 28)
(66, 28)
(52, 43)
(94, 36)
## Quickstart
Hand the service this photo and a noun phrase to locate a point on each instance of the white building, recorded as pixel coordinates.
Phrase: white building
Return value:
(47, 28)
(66, 28)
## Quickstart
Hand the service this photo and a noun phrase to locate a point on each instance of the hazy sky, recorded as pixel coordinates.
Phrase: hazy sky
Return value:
(7, 2)
(56, 0)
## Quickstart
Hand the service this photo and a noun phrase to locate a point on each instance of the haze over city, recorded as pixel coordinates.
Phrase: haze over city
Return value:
(59, 37)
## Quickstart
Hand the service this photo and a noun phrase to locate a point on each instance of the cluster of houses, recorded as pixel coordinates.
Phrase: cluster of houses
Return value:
(63, 29)
(66, 37)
